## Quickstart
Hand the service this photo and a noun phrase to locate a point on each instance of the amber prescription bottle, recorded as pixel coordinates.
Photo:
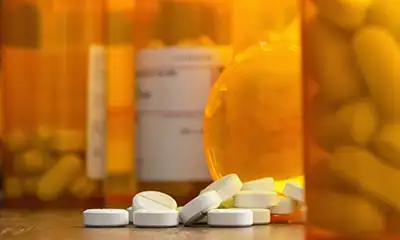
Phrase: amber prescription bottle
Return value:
(352, 118)
(252, 123)
(51, 52)
(120, 178)
(183, 46)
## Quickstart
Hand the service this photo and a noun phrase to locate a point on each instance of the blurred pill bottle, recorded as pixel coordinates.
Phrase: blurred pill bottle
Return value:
(183, 45)
(252, 123)
(53, 92)
(351, 78)
(120, 183)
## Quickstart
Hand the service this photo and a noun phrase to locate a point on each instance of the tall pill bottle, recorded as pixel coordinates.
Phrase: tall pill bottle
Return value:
(120, 182)
(351, 79)
(252, 123)
(183, 45)
(53, 95)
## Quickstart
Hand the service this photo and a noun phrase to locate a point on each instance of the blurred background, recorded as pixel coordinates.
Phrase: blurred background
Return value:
(101, 99)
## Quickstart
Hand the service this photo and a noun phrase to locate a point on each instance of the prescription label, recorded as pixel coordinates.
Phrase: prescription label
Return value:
(96, 120)
(173, 85)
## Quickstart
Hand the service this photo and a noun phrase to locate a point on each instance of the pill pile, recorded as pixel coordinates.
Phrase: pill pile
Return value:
(352, 57)
(226, 202)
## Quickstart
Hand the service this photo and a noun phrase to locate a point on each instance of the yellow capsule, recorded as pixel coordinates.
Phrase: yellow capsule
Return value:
(334, 66)
(385, 13)
(12, 187)
(68, 141)
(32, 160)
(387, 144)
(52, 184)
(378, 56)
(368, 173)
(83, 187)
(348, 14)
(345, 214)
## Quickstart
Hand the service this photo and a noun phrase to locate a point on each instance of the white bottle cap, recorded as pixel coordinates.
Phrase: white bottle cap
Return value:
(230, 217)
(105, 217)
(153, 200)
(197, 208)
(156, 218)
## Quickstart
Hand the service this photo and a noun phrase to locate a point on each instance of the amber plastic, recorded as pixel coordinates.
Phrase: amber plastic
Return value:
(46, 51)
(182, 26)
(252, 123)
(351, 88)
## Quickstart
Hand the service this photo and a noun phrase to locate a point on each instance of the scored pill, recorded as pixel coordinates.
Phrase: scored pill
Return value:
(255, 199)
(198, 207)
(294, 191)
(230, 217)
(153, 200)
(285, 206)
(261, 216)
(226, 187)
(105, 218)
(156, 218)
(263, 184)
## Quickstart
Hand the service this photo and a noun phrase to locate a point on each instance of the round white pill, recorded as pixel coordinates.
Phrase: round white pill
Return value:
(105, 217)
(153, 200)
(130, 211)
(261, 216)
(285, 206)
(198, 207)
(263, 184)
(201, 221)
(230, 217)
(156, 218)
(226, 187)
(255, 199)
(294, 191)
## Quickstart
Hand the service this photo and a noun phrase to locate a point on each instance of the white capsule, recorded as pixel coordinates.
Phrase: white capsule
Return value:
(261, 216)
(156, 218)
(153, 200)
(255, 199)
(285, 206)
(230, 217)
(197, 208)
(263, 184)
(294, 191)
(226, 187)
(105, 218)
(130, 211)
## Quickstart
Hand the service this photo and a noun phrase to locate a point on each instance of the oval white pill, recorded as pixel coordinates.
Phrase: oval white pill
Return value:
(285, 206)
(130, 211)
(261, 216)
(226, 187)
(263, 184)
(255, 199)
(294, 191)
(230, 217)
(153, 200)
(105, 217)
(197, 208)
(156, 218)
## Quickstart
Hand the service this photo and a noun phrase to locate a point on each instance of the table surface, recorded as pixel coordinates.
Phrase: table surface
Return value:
(63, 225)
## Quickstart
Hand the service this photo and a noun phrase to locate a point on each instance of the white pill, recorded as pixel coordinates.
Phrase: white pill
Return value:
(226, 187)
(263, 184)
(130, 211)
(261, 216)
(153, 200)
(197, 208)
(201, 221)
(285, 206)
(294, 191)
(255, 199)
(155, 218)
(105, 218)
(230, 217)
